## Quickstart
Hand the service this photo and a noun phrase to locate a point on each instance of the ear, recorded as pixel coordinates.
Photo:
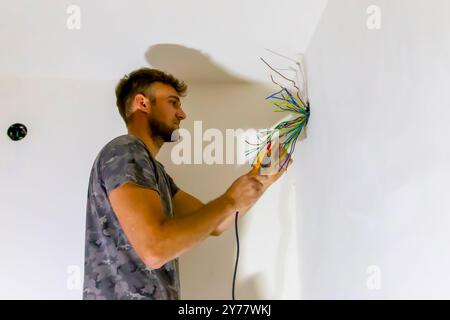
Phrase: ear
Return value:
(140, 102)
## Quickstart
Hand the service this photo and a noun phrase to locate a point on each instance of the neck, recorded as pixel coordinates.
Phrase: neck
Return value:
(153, 143)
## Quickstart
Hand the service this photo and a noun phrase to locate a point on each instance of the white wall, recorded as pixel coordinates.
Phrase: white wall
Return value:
(60, 84)
(374, 173)
(368, 187)
(44, 181)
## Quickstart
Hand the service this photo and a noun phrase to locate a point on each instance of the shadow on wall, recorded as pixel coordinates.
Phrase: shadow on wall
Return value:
(190, 64)
(221, 100)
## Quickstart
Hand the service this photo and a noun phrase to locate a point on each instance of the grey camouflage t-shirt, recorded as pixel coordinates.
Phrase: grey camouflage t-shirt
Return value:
(112, 269)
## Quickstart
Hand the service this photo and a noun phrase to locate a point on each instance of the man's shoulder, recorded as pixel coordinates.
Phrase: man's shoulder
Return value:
(124, 145)
(123, 141)
(120, 151)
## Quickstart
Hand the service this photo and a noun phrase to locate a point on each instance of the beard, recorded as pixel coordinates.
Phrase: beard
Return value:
(161, 130)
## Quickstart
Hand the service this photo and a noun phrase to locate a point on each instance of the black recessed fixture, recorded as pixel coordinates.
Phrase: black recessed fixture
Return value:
(17, 131)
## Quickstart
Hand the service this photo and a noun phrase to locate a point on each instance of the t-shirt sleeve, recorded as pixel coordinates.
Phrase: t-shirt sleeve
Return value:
(127, 162)
(173, 187)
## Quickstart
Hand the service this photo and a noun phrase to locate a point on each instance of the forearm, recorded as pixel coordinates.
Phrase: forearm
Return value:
(225, 224)
(179, 234)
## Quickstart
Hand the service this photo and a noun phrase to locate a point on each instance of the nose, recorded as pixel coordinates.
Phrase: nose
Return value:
(181, 114)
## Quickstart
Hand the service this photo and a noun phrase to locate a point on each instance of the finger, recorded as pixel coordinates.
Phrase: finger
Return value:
(254, 170)
(288, 164)
(285, 161)
(279, 173)
(282, 156)
(282, 151)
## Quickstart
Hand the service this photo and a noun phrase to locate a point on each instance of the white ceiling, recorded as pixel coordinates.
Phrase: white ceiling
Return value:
(119, 36)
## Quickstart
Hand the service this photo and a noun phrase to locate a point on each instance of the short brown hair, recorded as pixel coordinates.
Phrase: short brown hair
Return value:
(139, 81)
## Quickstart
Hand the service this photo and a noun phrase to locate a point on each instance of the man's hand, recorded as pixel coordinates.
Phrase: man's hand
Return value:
(273, 173)
(244, 196)
(247, 189)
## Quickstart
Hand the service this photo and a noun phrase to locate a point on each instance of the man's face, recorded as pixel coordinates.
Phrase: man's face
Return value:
(166, 113)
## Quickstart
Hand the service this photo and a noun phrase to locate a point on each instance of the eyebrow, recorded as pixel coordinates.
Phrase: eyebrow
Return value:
(175, 97)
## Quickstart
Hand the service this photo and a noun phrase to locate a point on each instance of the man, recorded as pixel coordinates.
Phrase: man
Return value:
(138, 221)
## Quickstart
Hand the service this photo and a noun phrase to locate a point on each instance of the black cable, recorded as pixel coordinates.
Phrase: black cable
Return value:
(237, 254)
